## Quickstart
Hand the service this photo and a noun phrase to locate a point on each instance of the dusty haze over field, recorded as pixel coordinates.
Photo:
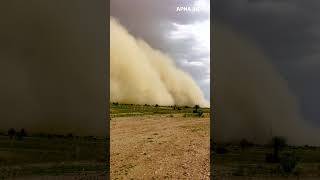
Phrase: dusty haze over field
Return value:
(266, 62)
(252, 99)
(143, 75)
(52, 66)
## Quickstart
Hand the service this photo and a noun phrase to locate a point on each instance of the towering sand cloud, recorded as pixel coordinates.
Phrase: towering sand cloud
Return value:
(252, 99)
(140, 74)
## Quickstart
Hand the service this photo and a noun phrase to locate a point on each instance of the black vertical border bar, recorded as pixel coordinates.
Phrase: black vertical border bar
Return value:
(212, 91)
(107, 88)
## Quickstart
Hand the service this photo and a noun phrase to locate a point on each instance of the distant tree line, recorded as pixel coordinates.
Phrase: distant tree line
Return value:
(20, 135)
(12, 133)
(287, 161)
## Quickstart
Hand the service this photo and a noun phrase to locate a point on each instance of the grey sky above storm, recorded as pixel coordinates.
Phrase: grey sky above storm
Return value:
(183, 35)
(288, 31)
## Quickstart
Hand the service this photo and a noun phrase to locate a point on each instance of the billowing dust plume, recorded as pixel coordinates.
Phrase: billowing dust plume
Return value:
(251, 98)
(140, 74)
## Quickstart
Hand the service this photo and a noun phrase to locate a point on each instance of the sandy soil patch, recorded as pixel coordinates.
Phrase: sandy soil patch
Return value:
(159, 147)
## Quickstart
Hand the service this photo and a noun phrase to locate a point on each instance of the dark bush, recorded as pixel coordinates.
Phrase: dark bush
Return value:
(59, 136)
(23, 132)
(278, 144)
(245, 144)
(288, 163)
(11, 132)
(156, 105)
(70, 135)
(19, 136)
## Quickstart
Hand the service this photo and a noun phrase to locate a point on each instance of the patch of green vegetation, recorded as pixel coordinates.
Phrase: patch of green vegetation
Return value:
(45, 154)
(124, 110)
(249, 160)
(53, 169)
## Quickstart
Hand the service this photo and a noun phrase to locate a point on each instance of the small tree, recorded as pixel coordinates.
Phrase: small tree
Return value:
(196, 107)
(288, 163)
(156, 105)
(278, 143)
(70, 135)
(18, 136)
(244, 143)
(23, 132)
(11, 132)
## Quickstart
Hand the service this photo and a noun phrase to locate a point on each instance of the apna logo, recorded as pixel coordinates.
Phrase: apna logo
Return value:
(187, 9)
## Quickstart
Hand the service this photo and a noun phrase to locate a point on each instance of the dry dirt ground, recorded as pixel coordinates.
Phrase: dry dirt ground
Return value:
(159, 147)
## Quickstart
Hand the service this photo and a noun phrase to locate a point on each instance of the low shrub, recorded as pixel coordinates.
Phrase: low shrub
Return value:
(244, 143)
(288, 163)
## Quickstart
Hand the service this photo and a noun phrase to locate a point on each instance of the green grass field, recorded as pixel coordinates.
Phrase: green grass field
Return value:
(251, 162)
(120, 110)
(49, 155)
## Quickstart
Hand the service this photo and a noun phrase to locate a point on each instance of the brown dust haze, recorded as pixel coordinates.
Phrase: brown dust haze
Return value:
(53, 62)
(140, 74)
(251, 98)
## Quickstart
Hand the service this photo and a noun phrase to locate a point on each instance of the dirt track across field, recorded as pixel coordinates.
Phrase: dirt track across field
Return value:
(159, 147)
